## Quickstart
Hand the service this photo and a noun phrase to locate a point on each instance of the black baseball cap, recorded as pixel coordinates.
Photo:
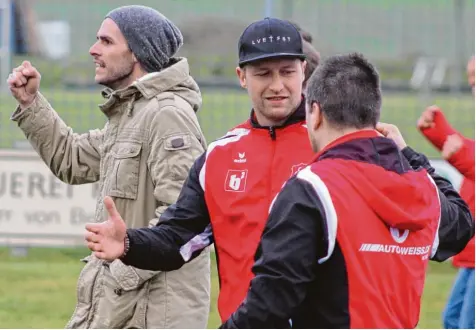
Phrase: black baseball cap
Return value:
(269, 38)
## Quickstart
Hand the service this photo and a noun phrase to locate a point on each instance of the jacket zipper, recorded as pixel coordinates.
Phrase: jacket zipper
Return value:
(272, 133)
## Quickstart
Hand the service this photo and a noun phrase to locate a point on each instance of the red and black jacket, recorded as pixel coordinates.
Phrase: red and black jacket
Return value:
(463, 161)
(226, 200)
(348, 240)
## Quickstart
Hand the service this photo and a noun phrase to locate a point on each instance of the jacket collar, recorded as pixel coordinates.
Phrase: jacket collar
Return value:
(147, 86)
(361, 134)
(296, 117)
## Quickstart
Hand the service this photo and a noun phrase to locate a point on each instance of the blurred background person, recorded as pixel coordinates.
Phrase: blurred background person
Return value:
(313, 57)
(459, 152)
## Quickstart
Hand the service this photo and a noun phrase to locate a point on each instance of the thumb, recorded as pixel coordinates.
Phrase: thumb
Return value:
(26, 64)
(30, 72)
(111, 209)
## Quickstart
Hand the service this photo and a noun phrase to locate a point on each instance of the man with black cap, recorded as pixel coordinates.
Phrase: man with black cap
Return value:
(229, 189)
(140, 158)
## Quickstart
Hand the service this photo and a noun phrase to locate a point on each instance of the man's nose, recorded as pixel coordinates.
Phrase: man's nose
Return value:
(94, 50)
(277, 84)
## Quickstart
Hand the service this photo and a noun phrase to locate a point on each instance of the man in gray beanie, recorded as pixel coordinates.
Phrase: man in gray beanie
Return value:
(140, 159)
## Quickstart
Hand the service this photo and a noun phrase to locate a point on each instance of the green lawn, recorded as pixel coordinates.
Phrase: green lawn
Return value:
(38, 291)
(223, 109)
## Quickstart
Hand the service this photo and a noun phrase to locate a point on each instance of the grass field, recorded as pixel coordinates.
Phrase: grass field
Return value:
(38, 291)
(223, 109)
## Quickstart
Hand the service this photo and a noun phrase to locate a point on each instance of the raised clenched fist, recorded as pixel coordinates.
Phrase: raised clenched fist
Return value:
(24, 83)
(427, 118)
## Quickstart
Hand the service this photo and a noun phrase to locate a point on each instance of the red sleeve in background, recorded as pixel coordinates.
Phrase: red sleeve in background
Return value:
(437, 134)
(463, 159)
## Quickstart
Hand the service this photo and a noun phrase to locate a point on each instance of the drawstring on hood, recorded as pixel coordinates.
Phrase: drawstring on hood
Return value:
(130, 104)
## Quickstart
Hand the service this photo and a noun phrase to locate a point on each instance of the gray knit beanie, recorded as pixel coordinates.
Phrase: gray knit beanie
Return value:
(151, 36)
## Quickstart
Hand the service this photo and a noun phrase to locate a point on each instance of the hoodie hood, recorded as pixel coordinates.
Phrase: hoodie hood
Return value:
(173, 79)
(400, 196)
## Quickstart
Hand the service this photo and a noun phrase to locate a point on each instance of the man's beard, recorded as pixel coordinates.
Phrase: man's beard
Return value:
(116, 81)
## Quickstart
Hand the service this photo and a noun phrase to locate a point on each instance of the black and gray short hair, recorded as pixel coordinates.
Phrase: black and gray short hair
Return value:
(347, 90)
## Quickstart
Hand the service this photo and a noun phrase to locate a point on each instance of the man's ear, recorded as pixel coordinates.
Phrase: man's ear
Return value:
(134, 58)
(316, 116)
(241, 73)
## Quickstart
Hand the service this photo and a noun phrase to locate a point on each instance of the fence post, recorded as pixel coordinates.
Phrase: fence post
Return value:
(268, 8)
(459, 46)
(5, 42)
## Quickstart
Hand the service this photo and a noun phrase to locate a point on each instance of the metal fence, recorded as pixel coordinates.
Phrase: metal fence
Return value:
(419, 46)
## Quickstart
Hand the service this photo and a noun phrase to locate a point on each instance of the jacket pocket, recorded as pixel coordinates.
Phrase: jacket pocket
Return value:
(125, 172)
(85, 292)
(123, 303)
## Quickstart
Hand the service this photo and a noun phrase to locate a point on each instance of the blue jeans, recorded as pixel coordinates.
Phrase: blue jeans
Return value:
(459, 311)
